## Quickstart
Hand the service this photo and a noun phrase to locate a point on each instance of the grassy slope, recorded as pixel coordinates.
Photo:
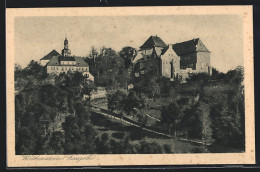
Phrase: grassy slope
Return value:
(104, 125)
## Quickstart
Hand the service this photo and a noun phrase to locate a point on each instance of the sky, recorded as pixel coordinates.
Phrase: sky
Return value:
(37, 36)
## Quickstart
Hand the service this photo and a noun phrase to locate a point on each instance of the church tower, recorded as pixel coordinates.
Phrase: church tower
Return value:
(66, 51)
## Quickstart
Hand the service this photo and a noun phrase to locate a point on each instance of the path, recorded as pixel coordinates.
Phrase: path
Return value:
(128, 121)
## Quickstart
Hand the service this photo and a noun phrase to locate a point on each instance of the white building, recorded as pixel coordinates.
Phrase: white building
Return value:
(171, 61)
(57, 63)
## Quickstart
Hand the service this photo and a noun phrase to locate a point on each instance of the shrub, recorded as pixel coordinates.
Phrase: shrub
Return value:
(167, 148)
(118, 135)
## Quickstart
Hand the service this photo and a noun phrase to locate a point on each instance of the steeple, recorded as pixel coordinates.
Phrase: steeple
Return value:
(66, 43)
(66, 51)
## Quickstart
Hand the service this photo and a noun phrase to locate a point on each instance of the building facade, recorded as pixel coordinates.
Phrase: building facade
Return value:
(173, 60)
(58, 63)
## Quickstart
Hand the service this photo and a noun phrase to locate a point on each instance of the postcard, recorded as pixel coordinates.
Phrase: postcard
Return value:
(130, 86)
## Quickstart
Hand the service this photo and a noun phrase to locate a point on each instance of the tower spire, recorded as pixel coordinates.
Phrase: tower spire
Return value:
(66, 51)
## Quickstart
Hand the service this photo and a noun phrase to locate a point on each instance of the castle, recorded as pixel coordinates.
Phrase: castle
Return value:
(57, 63)
(172, 61)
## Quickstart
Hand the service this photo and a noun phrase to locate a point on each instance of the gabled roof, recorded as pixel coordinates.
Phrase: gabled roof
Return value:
(55, 61)
(50, 55)
(66, 58)
(153, 41)
(191, 46)
(164, 50)
(80, 62)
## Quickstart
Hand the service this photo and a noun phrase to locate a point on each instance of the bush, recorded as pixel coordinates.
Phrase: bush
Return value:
(118, 135)
(149, 148)
(167, 148)
(200, 149)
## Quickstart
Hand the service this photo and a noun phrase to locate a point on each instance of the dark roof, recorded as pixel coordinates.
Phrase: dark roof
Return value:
(191, 46)
(164, 50)
(66, 58)
(50, 55)
(55, 61)
(153, 41)
(80, 62)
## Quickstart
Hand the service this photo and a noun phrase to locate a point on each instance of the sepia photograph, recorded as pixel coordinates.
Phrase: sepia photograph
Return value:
(88, 87)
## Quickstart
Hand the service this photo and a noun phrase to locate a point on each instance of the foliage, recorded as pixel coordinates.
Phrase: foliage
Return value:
(128, 54)
(116, 100)
(40, 104)
(132, 103)
(213, 110)
(167, 148)
(56, 142)
(191, 122)
(79, 139)
(110, 69)
(149, 148)
(171, 116)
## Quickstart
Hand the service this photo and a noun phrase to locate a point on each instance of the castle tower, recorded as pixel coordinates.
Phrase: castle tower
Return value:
(66, 51)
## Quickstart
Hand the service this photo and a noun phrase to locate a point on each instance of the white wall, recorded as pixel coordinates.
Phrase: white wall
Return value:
(168, 57)
(60, 69)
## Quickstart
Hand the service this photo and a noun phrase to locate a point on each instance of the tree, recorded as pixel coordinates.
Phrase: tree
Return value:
(172, 93)
(25, 142)
(56, 142)
(153, 88)
(90, 134)
(109, 64)
(142, 119)
(88, 88)
(74, 136)
(190, 123)
(144, 101)
(132, 103)
(128, 54)
(116, 100)
(35, 69)
(102, 144)
(164, 84)
(235, 77)
(17, 68)
(171, 116)
(149, 148)
(167, 148)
